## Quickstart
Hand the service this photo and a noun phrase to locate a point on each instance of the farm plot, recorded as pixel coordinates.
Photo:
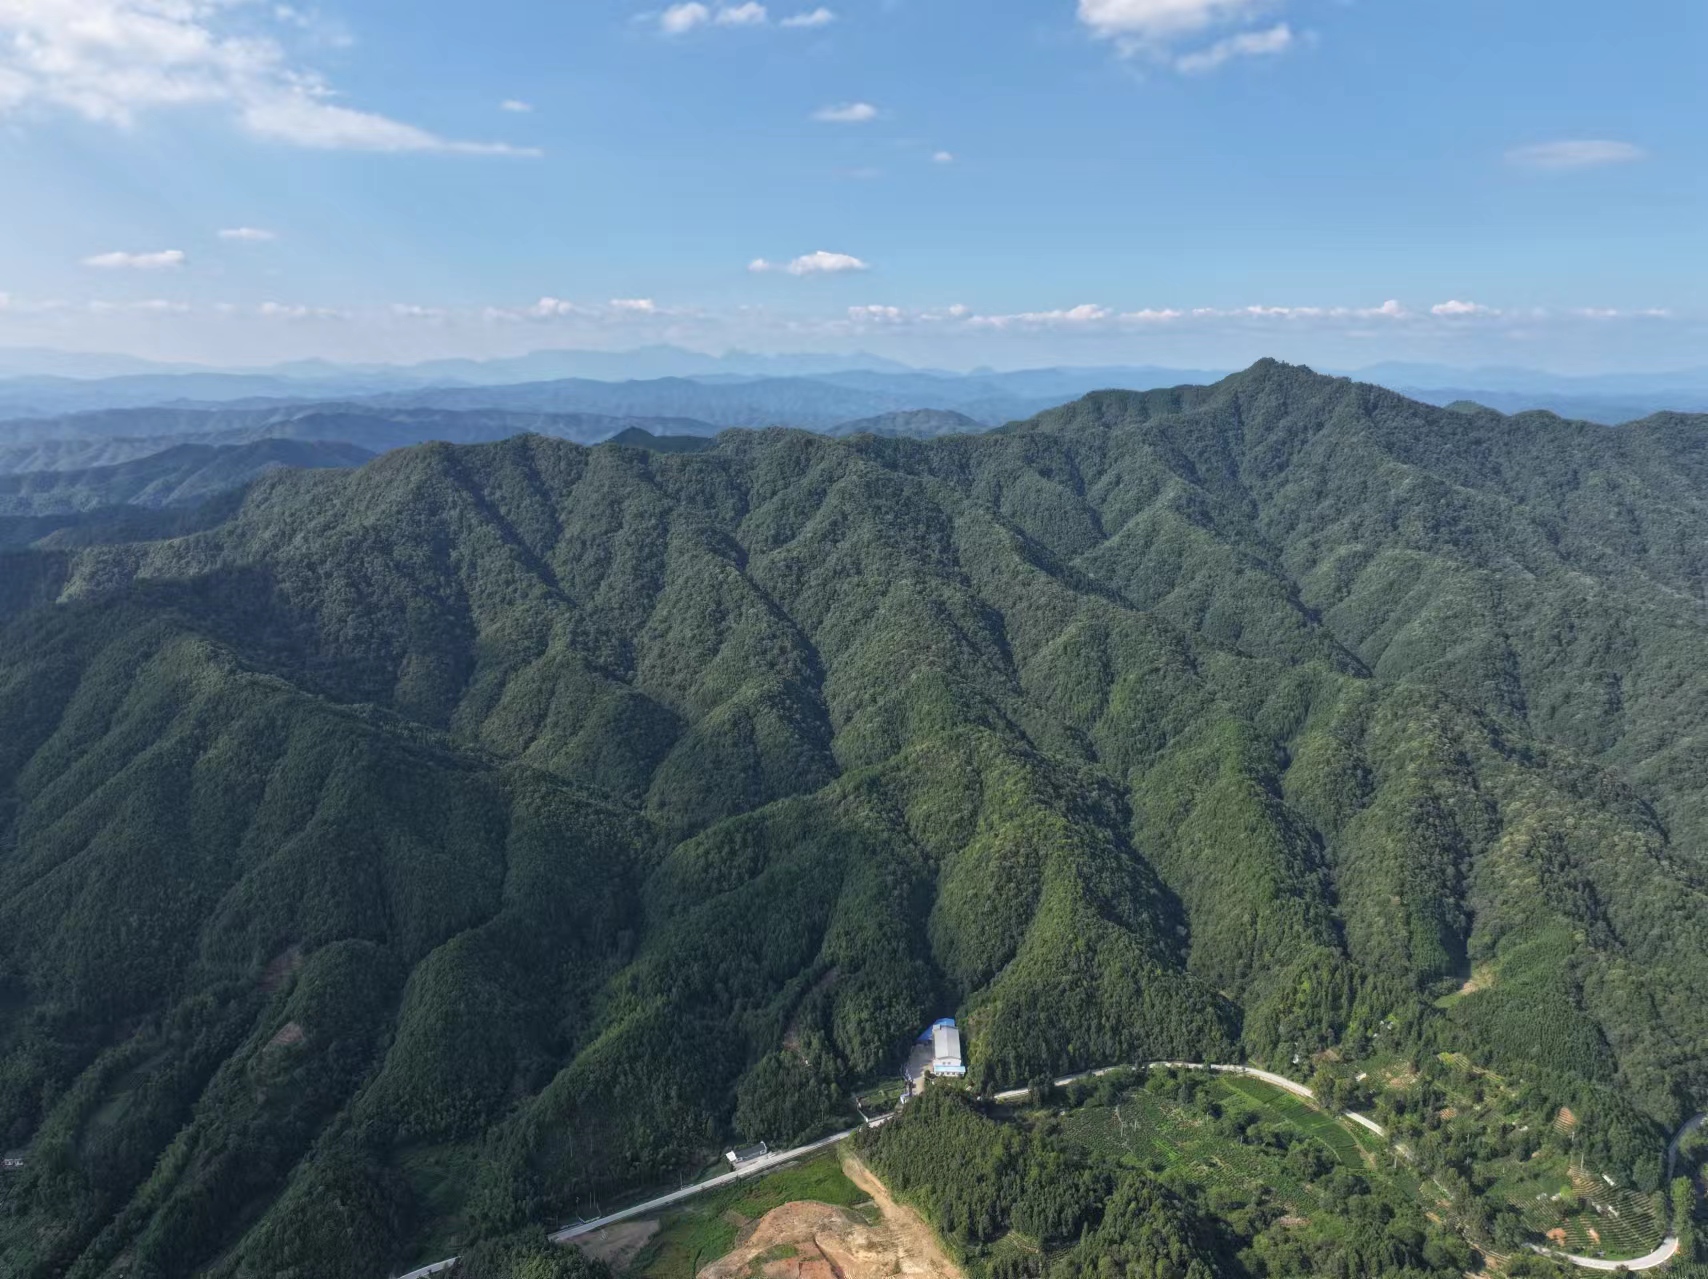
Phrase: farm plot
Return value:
(1184, 1143)
(1614, 1224)
(1328, 1129)
(1581, 1214)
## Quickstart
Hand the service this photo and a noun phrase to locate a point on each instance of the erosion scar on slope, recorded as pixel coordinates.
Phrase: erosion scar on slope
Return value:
(806, 1240)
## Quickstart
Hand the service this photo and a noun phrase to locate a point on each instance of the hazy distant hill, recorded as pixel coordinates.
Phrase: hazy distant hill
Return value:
(377, 429)
(636, 438)
(51, 384)
(180, 476)
(416, 851)
(919, 424)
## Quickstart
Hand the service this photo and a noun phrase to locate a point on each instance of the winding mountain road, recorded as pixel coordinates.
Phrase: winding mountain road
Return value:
(1659, 1257)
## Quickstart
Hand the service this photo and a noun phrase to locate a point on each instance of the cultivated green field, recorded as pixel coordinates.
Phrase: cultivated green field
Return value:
(1291, 1146)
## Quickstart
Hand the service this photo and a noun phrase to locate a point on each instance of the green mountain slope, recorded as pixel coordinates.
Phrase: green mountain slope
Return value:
(491, 828)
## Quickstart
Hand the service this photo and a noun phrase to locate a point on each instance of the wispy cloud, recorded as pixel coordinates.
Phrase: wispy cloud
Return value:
(750, 14)
(820, 17)
(1575, 153)
(516, 106)
(292, 311)
(943, 157)
(1454, 308)
(680, 19)
(248, 234)
(112, 61)
(1137, 25)
(1247, 44)
(846, 113)
(164, 260)
(820, 263)
(634, 306)
(147, 306)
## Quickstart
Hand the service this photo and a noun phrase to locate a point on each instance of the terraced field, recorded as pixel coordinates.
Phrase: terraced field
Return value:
(1615, 1223)
(1612, 1223)
(1182, 1144)
(1334, 1133)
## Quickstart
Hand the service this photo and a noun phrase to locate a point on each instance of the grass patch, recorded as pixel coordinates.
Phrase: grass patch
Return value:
(707, 1227)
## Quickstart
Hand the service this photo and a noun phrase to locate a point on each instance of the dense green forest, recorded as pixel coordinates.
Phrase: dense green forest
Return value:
(392, 859)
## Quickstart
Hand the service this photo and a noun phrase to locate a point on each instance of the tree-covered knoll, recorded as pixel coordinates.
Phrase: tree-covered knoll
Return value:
(470, 838)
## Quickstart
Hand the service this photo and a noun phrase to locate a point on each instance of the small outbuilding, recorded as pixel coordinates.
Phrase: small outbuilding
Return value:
(744, 1155)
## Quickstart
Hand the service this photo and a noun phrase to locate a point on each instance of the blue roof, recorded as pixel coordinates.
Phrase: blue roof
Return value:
(925, 1035)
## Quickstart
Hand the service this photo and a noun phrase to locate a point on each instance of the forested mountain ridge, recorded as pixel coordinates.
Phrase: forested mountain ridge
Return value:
(538, 812)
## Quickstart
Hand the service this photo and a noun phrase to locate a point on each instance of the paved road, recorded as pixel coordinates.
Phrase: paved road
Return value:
(1268, 1077)
(753, 1169)
(1660, 1256)
(764, 1164)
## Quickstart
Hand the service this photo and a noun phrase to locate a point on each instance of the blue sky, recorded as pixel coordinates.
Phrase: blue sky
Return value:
(1194, 182)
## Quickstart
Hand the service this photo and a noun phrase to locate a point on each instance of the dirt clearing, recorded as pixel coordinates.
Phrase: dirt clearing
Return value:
(817, 1241)
(618, 1245)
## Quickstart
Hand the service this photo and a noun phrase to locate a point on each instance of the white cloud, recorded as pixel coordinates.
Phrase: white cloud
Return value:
(248, 234)
(409, 311)
(164, 260)
(148, 306)
(943, 157)
(750, 14)
(820, 263)
(306, 120)
(549, 308)
(1084, 313)
(679, 19)
(1581, 153)
(820, 17)
(1247, 44)
(1139, 23)
(110, 61)
(877, 314)
(516, 106)
(847, 113)
(1455, 308)
(634, 306)
(283, 311)
(1614, 313)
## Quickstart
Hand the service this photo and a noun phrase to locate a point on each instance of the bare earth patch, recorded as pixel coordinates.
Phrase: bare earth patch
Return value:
(280, 967)
(1482, 978)
(618, 1245)
(818, 1241)
(290, 1034)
